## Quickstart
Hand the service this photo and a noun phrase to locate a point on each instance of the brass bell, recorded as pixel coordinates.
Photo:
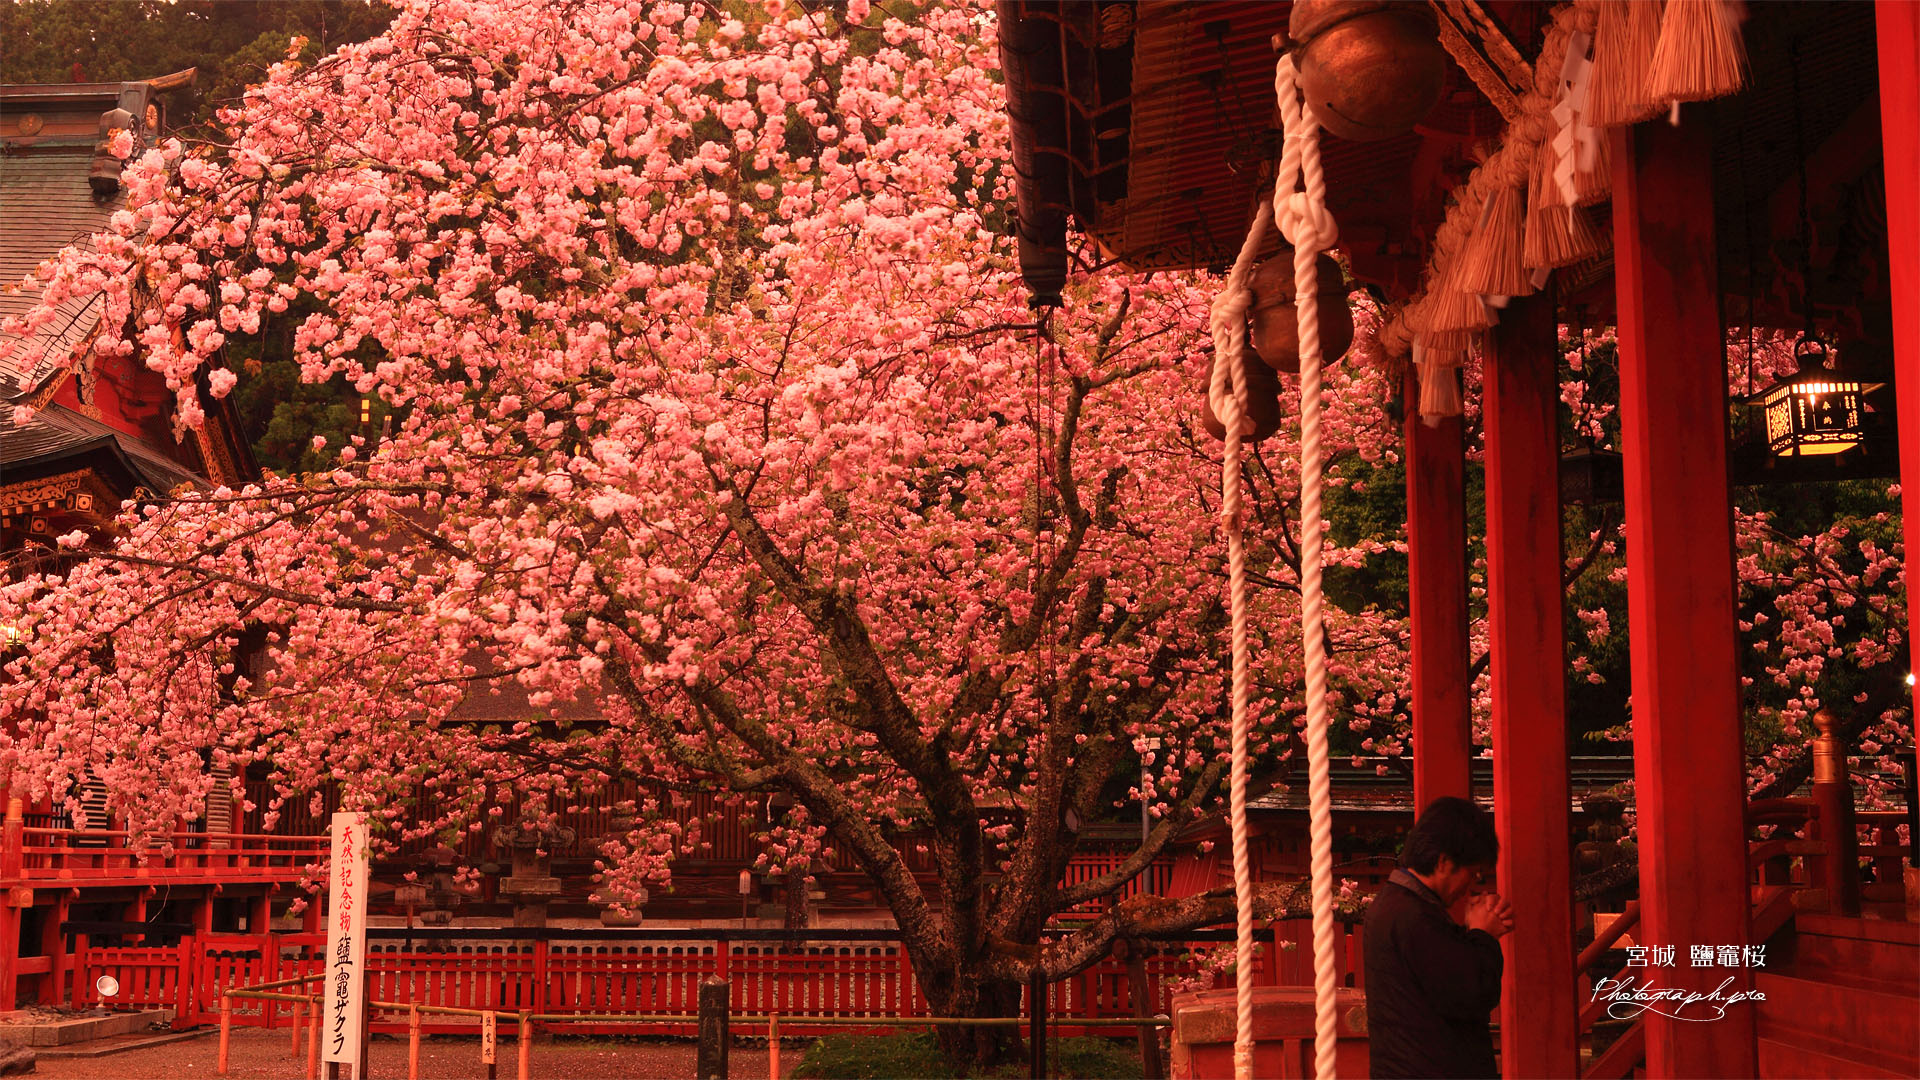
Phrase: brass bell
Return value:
(1371, 69)
(1263, 405)
(1276, 326)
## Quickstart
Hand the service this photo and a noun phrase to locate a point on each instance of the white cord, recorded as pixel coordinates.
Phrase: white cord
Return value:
(1309, 227)
(1304, 220)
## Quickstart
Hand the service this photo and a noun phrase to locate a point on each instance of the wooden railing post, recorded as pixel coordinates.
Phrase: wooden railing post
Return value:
(226, 1031)
(541, 956)
(14, 838)
(413, 1041)
(1833, 796)
(524, 1044)
(313, 1038)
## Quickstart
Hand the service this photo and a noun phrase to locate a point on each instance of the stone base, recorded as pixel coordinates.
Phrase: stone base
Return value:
(1283, 1022)
(29, 1030)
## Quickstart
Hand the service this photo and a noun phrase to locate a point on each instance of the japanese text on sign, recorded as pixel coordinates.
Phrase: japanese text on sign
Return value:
(346, 941)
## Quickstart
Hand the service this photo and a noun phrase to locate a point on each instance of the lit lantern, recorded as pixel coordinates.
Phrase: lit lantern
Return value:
(1371, 69)
(1276, 325)
(1817, 411)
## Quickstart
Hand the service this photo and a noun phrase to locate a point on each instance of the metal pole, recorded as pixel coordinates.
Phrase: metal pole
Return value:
(773, 1047)
(1037, 1029)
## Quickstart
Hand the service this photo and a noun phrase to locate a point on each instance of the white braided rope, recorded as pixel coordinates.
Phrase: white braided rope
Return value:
(1310, 229)
(1228, 395)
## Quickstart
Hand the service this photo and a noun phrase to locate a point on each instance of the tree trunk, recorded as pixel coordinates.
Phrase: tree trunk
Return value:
(974, 1048)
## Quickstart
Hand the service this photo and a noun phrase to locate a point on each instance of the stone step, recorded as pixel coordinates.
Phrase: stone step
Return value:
(38, 1031)
(119, 1044)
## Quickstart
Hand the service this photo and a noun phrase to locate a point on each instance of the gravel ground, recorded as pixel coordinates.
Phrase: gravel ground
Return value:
(262, 1055)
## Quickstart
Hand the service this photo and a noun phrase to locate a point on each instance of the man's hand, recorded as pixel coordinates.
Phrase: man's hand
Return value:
(1491, 913)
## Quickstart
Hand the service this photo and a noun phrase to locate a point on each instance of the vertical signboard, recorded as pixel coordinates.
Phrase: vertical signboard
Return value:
(342, 1033)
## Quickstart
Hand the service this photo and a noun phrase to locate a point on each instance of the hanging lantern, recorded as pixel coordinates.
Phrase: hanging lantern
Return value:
(1276, 324)
(1263, 405)
(1371, 69)
(1589, 475)
(1817, 411)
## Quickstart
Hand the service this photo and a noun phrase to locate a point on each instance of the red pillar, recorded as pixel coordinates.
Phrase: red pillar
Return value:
(1899, 36)
(1531, 796)
(1437, 602)
(1689, 786)
(12, 840)
(53, 944)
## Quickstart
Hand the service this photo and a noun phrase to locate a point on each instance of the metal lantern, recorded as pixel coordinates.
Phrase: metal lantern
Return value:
(1276, 324)
(1371, 69)
(1263, 405)
(1817, 411)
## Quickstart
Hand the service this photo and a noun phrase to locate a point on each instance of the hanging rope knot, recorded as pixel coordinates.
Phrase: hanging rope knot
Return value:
(1229, 304)
(1306, 222)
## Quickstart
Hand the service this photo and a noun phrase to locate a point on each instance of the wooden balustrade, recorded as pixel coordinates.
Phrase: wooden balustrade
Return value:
(116, 856)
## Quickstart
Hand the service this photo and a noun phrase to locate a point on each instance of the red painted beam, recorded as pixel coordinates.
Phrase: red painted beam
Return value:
(1688, 778)
(1898, 30)
(1539, 1020)
(1437, 588)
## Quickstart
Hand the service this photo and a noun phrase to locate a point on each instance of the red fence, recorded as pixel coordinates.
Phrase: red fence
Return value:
(855, 975)
(106, 857)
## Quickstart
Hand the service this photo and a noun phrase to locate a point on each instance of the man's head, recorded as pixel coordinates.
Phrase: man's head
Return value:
(1452, 847)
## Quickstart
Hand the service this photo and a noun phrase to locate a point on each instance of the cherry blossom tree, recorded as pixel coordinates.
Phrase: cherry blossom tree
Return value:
(717, 409)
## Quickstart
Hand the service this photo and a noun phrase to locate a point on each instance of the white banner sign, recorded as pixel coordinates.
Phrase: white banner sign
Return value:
(345, 1017)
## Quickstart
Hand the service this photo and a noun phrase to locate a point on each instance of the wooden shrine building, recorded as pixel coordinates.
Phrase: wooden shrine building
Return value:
(99, 433)
(1789, 198)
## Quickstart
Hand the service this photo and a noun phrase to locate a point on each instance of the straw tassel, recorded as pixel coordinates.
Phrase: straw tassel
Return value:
(1700, 55)
(1440, 385)
(1556, 235)
(1450, 308)
(1594, 183)
(1490, 263)
(1628, 33)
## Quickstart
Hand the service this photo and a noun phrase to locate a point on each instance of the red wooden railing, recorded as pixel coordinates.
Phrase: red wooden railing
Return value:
(1795, 866)
(111, 856)
(594, 976)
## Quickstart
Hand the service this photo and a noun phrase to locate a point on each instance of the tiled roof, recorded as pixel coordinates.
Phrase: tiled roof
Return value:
(46, 203)
(57, 432)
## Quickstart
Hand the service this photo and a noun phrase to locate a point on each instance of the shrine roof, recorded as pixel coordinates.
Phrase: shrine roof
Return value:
(46, 203)
(57, 434)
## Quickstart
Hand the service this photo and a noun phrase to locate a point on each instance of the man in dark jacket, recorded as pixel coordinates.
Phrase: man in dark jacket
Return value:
(1431, 981)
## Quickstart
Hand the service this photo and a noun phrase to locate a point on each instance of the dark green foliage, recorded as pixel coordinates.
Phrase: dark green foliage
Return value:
(917, 1056)
(232, 42)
